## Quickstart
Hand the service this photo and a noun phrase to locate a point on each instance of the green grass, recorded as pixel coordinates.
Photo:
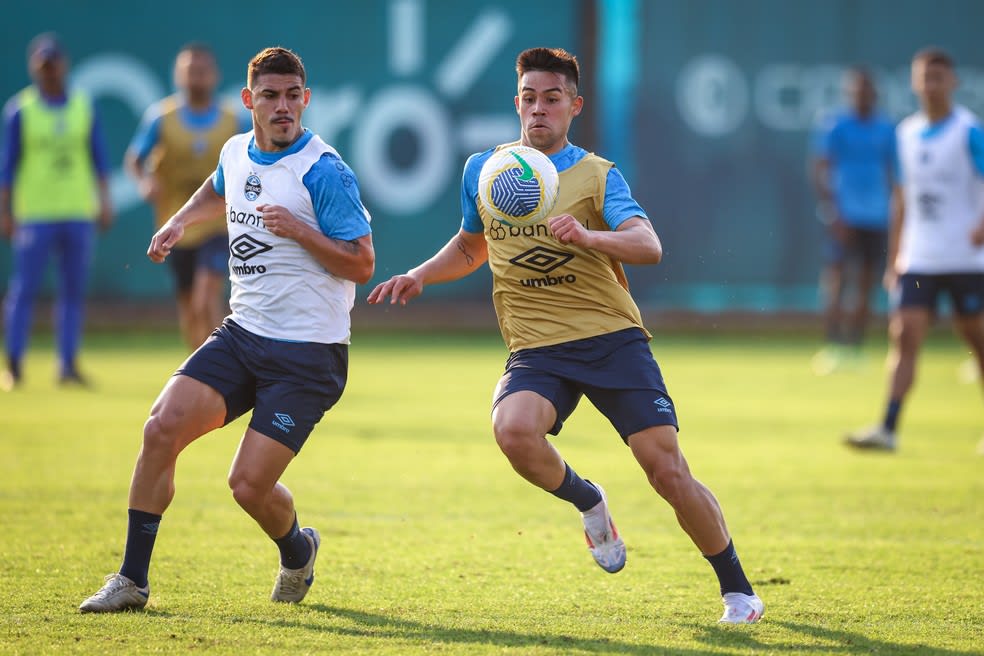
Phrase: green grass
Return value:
(433, 545)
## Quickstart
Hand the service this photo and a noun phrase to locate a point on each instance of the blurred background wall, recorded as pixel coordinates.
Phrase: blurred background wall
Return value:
(705, 105)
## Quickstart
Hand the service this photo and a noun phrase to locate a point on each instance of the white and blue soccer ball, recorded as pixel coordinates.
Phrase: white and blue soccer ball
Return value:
(518, 185)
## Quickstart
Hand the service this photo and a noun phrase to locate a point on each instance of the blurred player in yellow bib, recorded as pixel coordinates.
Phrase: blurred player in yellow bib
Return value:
(174, 149)
(572, 328)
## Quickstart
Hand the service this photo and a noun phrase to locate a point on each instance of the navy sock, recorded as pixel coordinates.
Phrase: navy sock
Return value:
(295, 550)
(141, 533)
(578, 491)
(892, 415)
(729, 572)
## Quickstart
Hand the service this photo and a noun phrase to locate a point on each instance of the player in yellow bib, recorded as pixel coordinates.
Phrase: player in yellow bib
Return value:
(572, 328)
(174, 149)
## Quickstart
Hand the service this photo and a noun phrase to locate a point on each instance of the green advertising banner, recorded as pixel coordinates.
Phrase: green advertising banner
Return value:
(404, 89)
(706, 106)
(724, 97)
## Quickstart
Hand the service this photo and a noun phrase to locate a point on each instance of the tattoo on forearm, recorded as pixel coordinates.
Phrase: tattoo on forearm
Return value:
(464, 251)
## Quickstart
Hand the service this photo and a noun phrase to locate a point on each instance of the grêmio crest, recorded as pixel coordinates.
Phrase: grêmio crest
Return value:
(253, 187)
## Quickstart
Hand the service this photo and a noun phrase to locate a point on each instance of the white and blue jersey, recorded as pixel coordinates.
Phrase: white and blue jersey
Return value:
(941, 170)
(279, 290)
(619, 206)
(861, 154)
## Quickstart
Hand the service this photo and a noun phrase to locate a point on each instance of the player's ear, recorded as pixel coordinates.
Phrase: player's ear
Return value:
(307, 97)
(516, 102)
(578, 105)
(247, 97)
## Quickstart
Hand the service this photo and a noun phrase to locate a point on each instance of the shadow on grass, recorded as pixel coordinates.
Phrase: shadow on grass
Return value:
(827, 641)
(382, 627)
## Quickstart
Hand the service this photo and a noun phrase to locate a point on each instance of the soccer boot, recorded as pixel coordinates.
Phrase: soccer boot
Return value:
(602, 537)
(118, 593)
(741, 608)
(293, 584)
(876, 438)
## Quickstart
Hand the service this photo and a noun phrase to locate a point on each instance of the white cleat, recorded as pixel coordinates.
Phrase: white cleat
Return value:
(602, 537)
(876, 438)
(118, 593)
(741, 608)
(293, 584)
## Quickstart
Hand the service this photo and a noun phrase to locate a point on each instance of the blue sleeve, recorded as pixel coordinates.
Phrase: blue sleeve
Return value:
(976, 139)
(218, 180)
(470, 219)
(620, 206)
(97, 146)
(335, 196)
(10, 155)
(148, 133)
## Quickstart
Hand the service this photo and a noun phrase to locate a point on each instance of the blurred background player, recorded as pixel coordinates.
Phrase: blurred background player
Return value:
(283, 352)
(852, 166)
(582, 338)
(174, 149)
(53, 191)
(936, 244)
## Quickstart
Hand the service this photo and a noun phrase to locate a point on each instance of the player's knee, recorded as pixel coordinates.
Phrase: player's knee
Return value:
(670, 482)
(160, 433)
(246, 494)
(515, 436)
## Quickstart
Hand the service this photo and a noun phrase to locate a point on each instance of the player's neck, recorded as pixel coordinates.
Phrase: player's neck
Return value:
(936, 113)
(198, 105)
(267, 145)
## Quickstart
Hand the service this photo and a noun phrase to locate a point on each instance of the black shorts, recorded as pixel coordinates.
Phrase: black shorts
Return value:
(966, 291)
(289, 385)
(867, 246)
(617, 372)
(212, 255)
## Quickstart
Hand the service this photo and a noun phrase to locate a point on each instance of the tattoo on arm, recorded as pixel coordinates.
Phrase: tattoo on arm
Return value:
(469, 259)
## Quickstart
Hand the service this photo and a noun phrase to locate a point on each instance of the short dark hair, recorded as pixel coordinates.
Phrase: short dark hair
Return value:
(277, 60)
(934, 55)
(553, 60)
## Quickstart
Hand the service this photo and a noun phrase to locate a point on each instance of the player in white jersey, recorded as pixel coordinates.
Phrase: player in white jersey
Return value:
(299, 242)
(936, 243)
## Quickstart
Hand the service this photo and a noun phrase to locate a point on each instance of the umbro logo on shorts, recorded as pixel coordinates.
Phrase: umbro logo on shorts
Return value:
(283, 421)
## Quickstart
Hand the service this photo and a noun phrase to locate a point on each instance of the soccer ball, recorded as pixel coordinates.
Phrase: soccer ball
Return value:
(518, 185)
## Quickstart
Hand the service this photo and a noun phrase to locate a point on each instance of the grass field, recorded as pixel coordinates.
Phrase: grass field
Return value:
(432, 545)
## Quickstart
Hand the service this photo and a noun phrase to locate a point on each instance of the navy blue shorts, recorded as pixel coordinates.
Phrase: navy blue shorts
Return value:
(212, 255)
(289, 385)
(966, 291)
(617, 372)
(867, 246)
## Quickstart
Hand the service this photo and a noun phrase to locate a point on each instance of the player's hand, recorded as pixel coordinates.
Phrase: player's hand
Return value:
(164, 240)
(6, 225)
(890, 279)
(399, 289)
(568, 230)
(106, 216)
(977, 236)
(279, 221)
(149, 188)
(838, 230)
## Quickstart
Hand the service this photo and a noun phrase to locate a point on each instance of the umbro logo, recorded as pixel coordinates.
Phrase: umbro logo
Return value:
(245, 247)
(541, 260)
(283, 421)
(664, 405)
